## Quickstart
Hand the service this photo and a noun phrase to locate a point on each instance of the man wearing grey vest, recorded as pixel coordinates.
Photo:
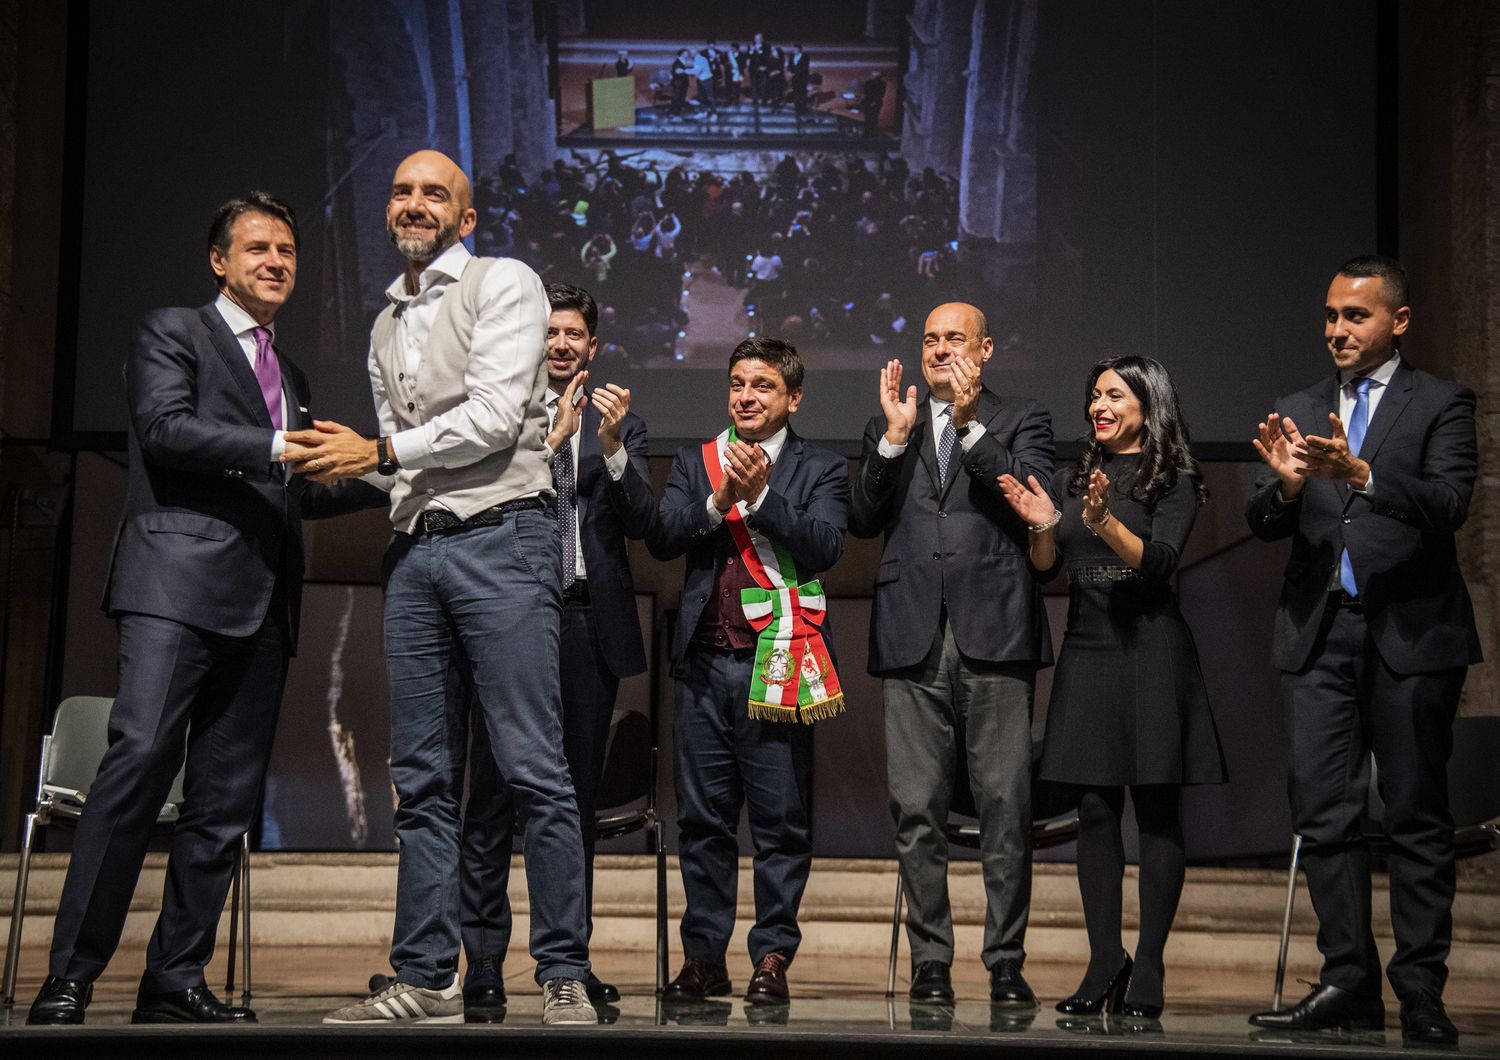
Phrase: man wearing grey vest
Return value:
(472, 582)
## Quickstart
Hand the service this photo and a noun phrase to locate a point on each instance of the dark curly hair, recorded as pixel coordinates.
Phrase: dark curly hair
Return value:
(1164, 437)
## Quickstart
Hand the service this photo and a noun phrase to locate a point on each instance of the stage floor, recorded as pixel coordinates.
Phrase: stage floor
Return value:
(837, 1006)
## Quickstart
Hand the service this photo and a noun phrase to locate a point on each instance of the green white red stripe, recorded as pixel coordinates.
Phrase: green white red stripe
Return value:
(793, 678)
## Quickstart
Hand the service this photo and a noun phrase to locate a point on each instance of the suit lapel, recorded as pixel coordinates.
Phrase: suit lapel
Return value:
(921, 441)
(229, 349)
(988, 407)
(786, 464)
(1396, 397)
(590, 456)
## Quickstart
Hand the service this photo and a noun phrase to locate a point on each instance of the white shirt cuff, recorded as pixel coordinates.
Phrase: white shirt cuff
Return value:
(754, 506)
(278, 445)
(407, 447)
(1369, 490)
(617, 464)
(889, 450)
(715, 517)
(972, 435)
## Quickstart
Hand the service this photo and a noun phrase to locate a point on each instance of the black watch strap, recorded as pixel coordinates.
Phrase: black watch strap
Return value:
(385, 464)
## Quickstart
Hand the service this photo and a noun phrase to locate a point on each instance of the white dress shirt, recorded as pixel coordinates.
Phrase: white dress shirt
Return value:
(939, 422)
(243, 325)
(1380, 378)
(772, 448)
(615, 465)
(498, 377)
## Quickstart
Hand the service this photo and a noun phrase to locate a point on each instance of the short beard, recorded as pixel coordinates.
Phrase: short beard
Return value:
(424, 250)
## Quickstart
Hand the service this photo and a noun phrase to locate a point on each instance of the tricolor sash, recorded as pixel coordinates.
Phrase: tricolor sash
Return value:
(793, 679)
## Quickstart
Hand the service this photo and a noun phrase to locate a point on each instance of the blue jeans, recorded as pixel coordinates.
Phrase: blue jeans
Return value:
(486, 601)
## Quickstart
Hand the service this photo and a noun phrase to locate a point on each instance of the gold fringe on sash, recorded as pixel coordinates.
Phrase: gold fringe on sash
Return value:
(806, 715)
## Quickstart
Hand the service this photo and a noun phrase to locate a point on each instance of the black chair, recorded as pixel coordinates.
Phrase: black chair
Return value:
(626, 803)
(1053, 823)
(1473, 796)
(70, 758)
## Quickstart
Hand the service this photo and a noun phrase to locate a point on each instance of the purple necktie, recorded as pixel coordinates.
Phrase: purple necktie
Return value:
(268, 374)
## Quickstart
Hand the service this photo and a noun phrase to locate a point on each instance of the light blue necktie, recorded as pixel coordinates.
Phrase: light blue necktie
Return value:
(945, 445)
(1359, 422)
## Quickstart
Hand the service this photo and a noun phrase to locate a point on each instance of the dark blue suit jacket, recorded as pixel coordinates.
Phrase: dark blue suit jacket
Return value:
(210, 522)
(606, 517)
(962, 544)
(1423, 456)
(804, 511)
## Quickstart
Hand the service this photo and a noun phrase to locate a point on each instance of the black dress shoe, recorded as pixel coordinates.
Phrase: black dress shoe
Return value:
(768, 983)
(1327, 1008)
(599, 991)
(1009, 987)
(60, 1001)
(196, 1004)
(484, 992)
(931, 981)
(699, 979)
(1110, 998)
(1424, 1020)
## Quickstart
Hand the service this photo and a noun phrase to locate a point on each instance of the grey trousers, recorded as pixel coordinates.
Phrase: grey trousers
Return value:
(946, 706)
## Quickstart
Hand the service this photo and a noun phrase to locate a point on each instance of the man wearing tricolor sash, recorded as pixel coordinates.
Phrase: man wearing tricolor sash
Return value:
(758, 512)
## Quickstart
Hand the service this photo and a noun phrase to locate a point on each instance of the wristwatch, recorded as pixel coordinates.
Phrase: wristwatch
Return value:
(386, 462)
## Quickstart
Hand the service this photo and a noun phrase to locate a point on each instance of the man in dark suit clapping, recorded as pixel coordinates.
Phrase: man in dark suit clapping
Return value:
(955, 562)
(758, 512)
(205, 588)
(1370, 472)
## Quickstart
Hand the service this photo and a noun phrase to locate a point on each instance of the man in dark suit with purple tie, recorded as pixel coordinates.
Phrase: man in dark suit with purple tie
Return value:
(205, 587)
(1369, 472)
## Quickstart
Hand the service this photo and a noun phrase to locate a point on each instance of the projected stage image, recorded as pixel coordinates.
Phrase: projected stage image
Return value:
(719, 186)
(1090, 175)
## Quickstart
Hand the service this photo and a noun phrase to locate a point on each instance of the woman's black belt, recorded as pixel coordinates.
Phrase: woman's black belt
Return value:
(1102, 574)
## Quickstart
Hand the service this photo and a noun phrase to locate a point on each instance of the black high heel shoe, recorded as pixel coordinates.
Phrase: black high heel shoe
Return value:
(1140, 1010)
(1109, 999)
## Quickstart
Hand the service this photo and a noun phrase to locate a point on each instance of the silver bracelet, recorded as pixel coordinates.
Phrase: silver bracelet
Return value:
(1048, 525)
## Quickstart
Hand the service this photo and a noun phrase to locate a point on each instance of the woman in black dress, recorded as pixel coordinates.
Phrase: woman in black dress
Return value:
(1128, 708)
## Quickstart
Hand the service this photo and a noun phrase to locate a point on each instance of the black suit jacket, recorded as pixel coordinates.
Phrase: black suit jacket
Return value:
(1423, 457)
(606, 517)
(963, 544)
(210, 522)
(804, 511)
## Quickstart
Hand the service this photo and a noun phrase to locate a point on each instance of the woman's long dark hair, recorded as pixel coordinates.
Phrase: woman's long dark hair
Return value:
(1164, 437)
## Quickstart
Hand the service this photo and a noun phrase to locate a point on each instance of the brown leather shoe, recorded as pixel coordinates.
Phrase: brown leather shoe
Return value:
(699, 979)
(768, 984)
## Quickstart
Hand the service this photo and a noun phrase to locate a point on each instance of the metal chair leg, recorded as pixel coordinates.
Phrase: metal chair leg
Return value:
(661, 911)
(245, 936)
(234, 924)
(890, 980)
(18, 911)
(1286, 919)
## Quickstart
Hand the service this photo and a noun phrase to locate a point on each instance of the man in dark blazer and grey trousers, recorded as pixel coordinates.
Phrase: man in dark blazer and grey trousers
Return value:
(609, 502)
(958, 631)
(1369, 473)
(794, 495)
(205, 587)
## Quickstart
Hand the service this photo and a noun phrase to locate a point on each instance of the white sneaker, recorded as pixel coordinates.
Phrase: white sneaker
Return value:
(403, 1003)
(566, 1001)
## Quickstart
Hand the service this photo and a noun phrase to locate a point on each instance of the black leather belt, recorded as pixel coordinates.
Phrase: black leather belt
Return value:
(1341, 598)
(578, 592)
(1102, 575)
(442, 521)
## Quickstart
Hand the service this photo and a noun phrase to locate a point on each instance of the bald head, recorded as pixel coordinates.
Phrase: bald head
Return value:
(953, 330)
(431, 206)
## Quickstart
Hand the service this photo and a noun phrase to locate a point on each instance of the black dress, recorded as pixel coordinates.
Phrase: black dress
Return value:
(1128, 701)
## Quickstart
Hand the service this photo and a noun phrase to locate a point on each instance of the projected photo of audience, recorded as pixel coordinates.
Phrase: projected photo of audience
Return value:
(712, 175)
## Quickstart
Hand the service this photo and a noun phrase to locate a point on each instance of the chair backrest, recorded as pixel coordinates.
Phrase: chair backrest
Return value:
(627, 761)
(80, 736)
